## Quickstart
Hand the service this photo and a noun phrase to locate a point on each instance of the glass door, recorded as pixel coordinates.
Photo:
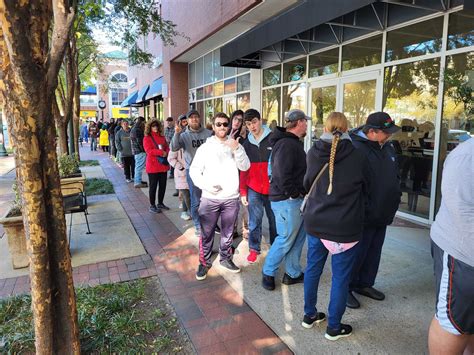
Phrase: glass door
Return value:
(323, 99)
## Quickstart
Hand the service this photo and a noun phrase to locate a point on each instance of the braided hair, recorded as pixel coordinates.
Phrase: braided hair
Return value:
(336, 124)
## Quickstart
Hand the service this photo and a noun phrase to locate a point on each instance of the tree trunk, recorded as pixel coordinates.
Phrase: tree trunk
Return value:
(76, 113)
(61, 129)
(29, 66)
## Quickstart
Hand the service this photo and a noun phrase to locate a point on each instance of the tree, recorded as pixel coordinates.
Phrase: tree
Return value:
(33, 39)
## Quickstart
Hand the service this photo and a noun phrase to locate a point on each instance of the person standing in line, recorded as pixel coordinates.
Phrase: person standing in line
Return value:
(118, 127)
(124, 146)
(176, 160)
(452, 248)
(136, 136)
(104, 138)
(254, 183)
(333, 219)
(215, 170)
(111, 130)
(157, 165)
(183, 122)
(169, 133)
(384, 191)
(190, 140)
(93, 134)
(288, 166)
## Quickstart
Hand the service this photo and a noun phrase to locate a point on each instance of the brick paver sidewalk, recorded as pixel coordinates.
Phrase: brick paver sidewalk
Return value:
(216, 318)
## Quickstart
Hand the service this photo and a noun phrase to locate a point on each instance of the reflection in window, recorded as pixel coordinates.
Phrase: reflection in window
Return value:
(218, 105)
(118, 78)
(323, 102)
(362, 53)
(272, 76)
(208, 111)
(199, 94)
(229, 104)
(359, 101)
(415, 40)
(208, 91)
(294, 97)
(229, 71)
(324, 63)
(192, 75)
(243, 83)
(208, 69)
(219, 88)
(460, 30)
(200, 109)
(294, 70)
(216, 63)
(242, 70)
(410, 97)
(199, 72)
(271, 99)
(243, 102)
(229, 86)
(118, 95)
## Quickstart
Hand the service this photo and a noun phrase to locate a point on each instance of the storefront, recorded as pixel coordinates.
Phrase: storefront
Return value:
(413, 59)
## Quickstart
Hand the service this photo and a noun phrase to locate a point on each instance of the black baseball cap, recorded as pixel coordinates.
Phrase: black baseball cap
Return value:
(182, 117)
(296, 115)
(250, 114)
(192, 112)
(382, 121)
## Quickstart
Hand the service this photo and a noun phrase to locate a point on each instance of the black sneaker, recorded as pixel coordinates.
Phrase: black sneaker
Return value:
(154, 209)
(201, 274)
(176, 194)
(308, 321)
(230, 266)
(352, 301)
(371, 293)
(163, 207)
(334, 335)
(288, 280)
(268, 282)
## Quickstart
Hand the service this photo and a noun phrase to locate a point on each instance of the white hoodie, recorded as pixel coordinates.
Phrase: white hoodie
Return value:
(215, 164)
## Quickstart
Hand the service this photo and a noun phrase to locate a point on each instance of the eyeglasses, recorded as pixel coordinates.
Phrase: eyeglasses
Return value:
(220, 124)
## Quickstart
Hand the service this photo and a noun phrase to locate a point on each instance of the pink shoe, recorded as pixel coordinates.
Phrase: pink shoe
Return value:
(252, 258)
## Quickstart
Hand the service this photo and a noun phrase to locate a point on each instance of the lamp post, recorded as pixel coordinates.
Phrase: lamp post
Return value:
(3, 151)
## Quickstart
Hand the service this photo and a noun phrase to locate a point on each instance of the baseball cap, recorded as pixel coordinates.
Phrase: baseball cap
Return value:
(382, 121)
(192, 112)
(182, 117)
(296, 115)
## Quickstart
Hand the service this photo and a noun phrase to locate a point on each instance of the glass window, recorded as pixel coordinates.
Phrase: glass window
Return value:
(219, 88)
(460, 30)
(294, 70)
(415, 40)
(362, 53)
(410, 97)
(457, 124)
(243, 101)
(118, 78)
(243, 83)
(199, 94)
(199, 72)
(323, 102)
(271, 100)
(272, 76)
(200, 108)
(324, 63)
(192, 75)
(230, 104)
(208, 69)
(242, 70)
(294, 97)
(208, 111)
(118, 95)
(208, 91)
(229, 71)
(359, 101)
(218, 105)
(229, 86)
(218, 70)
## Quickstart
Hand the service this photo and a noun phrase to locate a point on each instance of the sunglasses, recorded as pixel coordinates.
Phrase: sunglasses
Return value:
(220, 124)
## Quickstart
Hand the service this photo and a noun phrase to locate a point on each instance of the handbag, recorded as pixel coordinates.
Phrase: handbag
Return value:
(305, 200)
(161, 160)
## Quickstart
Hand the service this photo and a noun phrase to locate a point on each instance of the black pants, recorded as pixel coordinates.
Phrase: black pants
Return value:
(105, 148)
(129, 167)
(157, 180)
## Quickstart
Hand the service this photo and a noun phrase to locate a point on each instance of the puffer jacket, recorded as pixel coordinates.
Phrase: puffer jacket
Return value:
(176, 160)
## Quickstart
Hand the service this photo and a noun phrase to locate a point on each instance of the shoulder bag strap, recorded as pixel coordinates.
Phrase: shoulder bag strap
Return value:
(305, 200)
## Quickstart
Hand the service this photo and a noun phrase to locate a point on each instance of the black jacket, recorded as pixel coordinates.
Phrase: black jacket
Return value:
(339, 216)
(288, 165)
(384, 180)
(136, 137)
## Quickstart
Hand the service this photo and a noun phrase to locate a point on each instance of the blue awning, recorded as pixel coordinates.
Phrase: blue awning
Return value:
(155, 89)
(141, 94)
(130, 100)
(90, 90)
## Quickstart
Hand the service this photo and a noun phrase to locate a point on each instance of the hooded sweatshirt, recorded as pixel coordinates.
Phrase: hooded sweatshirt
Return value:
(215, 164)
(337, 217)
(384, 179)
(288, 164)
(189, 140)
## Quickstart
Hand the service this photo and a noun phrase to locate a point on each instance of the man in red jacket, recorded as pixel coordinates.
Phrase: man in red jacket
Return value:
(254, 183)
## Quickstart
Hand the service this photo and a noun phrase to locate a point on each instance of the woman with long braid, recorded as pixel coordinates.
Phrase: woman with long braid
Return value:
(333, 219)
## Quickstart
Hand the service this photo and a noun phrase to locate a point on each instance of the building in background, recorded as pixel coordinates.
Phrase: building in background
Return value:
(413, 59)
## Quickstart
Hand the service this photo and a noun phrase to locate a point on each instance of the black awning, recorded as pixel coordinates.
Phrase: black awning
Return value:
(316, 24)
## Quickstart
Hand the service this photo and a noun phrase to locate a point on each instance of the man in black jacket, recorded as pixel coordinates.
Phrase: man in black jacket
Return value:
(288, 166)
(136, 136)
(384, 197)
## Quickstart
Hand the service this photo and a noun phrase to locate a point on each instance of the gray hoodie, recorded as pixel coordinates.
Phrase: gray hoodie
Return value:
(189, 141)
(123, 143)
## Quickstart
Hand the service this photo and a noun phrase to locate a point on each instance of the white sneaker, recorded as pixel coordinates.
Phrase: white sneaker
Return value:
(185, 216)
(180, 206)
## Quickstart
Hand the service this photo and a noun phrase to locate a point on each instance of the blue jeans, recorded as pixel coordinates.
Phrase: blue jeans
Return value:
(257, 203)
(289, 241)
(195, 193)
(93, 143)
(342, 265)
(140, 160)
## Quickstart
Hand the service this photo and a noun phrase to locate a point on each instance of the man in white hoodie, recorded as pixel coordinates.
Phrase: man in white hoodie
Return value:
(215, 170)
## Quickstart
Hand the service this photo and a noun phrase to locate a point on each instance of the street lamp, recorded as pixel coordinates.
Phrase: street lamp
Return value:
(3, 151)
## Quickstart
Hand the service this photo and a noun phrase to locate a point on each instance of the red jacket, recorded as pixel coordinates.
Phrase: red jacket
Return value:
(153, 152)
